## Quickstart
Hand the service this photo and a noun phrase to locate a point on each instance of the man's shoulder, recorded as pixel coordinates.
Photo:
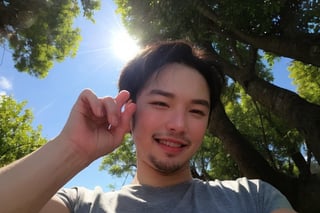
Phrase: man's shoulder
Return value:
(228, 183)
(240, 185)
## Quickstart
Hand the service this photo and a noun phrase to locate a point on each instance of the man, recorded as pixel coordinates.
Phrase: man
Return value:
(166, 96)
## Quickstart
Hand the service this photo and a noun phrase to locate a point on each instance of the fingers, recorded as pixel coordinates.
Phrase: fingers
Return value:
(127, 114)
(89, 103)
(114, 111)
(113, 107)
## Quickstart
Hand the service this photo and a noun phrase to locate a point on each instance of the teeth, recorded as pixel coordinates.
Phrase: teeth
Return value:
(168, 143)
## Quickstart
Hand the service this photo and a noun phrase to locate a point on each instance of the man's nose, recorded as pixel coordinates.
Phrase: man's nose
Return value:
(177, 121)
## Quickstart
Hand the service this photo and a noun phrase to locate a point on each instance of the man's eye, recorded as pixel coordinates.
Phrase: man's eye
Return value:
(159, 104)
(198, 112)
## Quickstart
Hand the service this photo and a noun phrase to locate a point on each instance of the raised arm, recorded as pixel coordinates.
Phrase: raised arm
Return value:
(94, 128)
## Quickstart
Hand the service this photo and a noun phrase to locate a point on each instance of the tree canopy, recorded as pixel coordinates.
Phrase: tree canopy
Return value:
(265, 131)
(42, 32)
(17, 136)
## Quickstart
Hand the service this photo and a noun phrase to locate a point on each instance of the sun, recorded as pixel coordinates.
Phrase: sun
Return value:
(124, 46)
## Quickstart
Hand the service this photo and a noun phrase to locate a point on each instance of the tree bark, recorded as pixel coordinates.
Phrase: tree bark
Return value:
(305, 48)
(249, 160)
(302, 193)
(307, 51)
(294, 110)
(297, 112)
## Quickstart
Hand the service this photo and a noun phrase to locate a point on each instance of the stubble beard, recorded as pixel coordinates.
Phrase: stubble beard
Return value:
(165, 168)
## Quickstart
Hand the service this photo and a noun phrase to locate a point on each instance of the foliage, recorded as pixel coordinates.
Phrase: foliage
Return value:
(121, 161)
(269, 17)
(17, 136)
(212, 162)
(307, 79)
(41, 32)
(269, 25)
(89, 6)
(271, 59)
(258, 18)
(269, 134)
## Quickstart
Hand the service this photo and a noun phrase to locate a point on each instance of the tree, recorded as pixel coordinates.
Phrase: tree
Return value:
(121, 161)
(307, 79)
(17, 136)
(41, 32)
(238, 35)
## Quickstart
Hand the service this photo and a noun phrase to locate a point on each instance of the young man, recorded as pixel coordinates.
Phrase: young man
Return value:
(166, 96)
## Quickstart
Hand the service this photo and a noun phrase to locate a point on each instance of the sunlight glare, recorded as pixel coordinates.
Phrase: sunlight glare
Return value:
(123, 46)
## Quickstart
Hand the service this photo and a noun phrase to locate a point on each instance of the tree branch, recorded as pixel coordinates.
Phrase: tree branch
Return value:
(302, 165)
(292, 46)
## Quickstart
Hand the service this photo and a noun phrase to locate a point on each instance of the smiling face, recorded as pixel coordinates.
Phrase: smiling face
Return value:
(171, 119)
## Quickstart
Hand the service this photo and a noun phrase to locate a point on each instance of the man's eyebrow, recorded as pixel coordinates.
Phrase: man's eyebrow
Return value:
(171, 95)
(201, 102)
(161, 92)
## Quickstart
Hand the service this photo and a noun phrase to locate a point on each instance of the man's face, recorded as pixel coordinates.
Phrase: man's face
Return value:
(171, 118)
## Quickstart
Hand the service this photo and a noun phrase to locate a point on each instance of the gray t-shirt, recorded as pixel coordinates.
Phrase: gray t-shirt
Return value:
(239, 196)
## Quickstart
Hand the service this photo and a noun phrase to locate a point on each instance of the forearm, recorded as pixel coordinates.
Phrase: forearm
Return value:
(29, 183)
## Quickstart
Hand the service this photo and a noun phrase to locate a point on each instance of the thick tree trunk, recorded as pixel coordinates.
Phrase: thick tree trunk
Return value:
(294, 110)
(249, 160)
(301, 49)
(303, 193)
(308, 195)
(297, 112)
(305, 48)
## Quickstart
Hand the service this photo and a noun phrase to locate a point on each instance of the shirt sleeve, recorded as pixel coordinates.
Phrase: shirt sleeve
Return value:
(79, 199)
(69, 197)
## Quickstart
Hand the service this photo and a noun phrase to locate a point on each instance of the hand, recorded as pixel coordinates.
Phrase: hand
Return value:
(96, 126)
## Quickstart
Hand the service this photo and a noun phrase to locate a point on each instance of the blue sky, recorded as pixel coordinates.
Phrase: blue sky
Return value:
(96, 66)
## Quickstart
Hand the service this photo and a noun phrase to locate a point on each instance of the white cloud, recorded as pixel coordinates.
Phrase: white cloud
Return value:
(5, 84)
(2, 93)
